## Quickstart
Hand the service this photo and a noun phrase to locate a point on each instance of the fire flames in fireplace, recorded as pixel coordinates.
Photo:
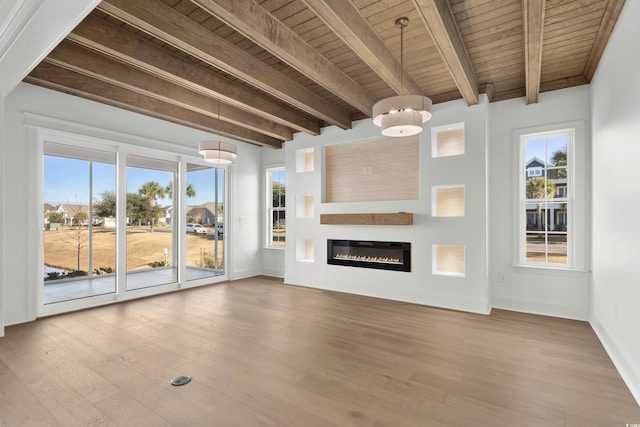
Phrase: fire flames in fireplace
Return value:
(370, 254)
(368, 258)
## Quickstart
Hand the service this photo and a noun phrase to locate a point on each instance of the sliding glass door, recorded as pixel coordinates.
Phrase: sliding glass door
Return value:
(79, 234)
(205, 228)
(151, 259)
(128, 222)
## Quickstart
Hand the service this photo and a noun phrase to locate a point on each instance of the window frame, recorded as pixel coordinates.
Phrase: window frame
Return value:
(270, 209)
(42, 130)
(578, 222)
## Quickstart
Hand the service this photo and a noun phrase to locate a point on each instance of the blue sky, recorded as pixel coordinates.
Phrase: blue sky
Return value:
(67, 181)
(536, 148)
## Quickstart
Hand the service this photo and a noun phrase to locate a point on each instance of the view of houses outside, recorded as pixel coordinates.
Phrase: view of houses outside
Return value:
(150, 243)
(80, 217)
(71, 231)
(203, 187)
(277, 210)
(546, 194)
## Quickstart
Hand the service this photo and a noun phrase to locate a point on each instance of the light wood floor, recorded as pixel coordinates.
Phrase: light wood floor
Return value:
(265, 354)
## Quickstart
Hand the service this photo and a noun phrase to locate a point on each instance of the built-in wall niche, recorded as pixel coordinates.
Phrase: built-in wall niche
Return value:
(447, 200)
(304, 160)
(372, 171)
(304, 250)
(448, 260)
(447, 140)
(304, 206)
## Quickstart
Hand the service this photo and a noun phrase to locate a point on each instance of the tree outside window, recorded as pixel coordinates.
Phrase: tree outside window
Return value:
(545, 197)
(277, 225)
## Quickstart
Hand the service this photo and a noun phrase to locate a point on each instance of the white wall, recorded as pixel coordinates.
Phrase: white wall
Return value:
(272, 259)
(420, 285)
(29, 30)
(534, 290)
(246, 215)
(20, 257)
(489, 239)
(616, 201)
(3, 239)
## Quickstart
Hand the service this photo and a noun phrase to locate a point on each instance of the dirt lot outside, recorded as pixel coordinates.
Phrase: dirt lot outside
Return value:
(143, 248)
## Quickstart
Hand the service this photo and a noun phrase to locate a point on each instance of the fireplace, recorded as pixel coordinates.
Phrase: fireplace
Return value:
(368, 254)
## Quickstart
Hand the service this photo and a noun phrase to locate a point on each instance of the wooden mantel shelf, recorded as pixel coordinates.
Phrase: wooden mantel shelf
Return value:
(400, 218)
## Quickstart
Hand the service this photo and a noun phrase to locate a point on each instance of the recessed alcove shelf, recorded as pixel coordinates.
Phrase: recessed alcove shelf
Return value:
(304, 206)
(305, 160)
(447, 140)
(400, 218)
(305, 250)
(447, 260)
(447, 200)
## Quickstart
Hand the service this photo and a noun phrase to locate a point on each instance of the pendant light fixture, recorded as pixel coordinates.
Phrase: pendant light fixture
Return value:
(402, 115)
(217, 151)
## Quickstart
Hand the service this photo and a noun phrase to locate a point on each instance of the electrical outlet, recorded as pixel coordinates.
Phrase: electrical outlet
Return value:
(502, 277)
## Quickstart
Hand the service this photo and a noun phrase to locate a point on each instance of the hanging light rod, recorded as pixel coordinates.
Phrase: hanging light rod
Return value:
(402, 115)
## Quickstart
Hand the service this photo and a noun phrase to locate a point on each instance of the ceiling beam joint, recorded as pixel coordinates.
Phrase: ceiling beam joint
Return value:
(441, 24)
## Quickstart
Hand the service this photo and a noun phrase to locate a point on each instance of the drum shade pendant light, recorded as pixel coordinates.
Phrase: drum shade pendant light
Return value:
(402, 115)
(217, 151)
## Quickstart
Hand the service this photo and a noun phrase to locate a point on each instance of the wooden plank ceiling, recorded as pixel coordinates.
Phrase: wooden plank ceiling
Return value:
(260, 70)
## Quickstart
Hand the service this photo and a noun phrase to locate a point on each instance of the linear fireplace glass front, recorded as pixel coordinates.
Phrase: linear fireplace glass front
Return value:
(369, 254)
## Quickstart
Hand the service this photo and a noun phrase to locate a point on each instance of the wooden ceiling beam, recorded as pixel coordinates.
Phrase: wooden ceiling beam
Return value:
(254, 22)
(170, 26)
(489, 89)
(441, 24)
(64, 80)
(354, 30)
(533, 31)
(85, 61)
(101, 36)
(611, 14)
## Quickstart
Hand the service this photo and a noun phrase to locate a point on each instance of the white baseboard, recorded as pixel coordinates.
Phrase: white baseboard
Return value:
(273, 272)
(629, 369)
(542, 307)
(447, 301)
(244, 274)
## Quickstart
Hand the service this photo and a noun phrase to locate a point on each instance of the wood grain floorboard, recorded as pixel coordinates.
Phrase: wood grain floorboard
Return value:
(265, 354)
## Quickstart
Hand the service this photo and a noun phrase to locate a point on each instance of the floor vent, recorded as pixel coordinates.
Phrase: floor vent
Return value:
(181, 380)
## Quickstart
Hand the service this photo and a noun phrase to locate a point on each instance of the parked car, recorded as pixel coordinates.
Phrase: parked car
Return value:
(220, 228)
(196, 229)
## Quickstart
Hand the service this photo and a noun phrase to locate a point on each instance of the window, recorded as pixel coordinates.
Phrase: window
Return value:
(151, 240)
(113, 221)
(561, 191)
(204, 232)
(79, 232)
(545, 202)
(535, 171)
(276, 195)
